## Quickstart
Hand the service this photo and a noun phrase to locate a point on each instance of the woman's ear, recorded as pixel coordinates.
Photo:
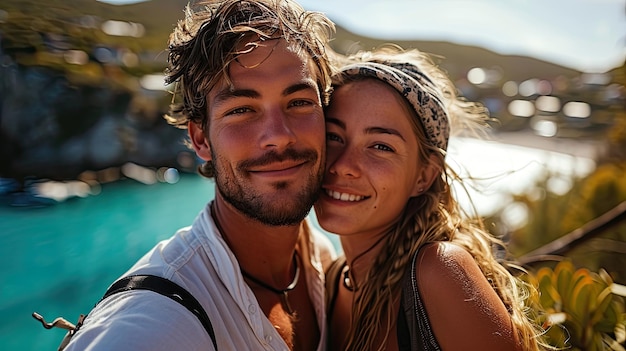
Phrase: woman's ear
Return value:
(199, 141)
(428, 173)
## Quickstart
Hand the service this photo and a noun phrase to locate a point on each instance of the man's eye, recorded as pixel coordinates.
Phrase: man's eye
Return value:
(298, 103)
(382, 147)
(238, 111)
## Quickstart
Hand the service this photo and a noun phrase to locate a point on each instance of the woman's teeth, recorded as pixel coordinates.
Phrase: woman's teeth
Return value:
(343, 196)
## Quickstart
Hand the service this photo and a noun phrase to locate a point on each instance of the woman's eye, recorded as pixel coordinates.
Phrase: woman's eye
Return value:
(333, 137)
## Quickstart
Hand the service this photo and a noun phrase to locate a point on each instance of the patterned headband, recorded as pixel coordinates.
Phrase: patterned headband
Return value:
(417, 89)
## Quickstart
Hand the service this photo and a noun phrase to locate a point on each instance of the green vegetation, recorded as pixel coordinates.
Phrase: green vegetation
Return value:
(584, 310)
(550, 216)
(581, 289)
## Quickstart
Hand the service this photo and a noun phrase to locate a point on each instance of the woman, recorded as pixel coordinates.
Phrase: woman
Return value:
(387, 194)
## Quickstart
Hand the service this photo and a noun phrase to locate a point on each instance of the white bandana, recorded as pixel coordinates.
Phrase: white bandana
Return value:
(417, 89)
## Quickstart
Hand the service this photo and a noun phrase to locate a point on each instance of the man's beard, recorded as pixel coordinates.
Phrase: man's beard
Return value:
(261, 207)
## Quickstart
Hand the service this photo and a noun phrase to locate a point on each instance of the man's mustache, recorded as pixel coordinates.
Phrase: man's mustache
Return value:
(274, 157)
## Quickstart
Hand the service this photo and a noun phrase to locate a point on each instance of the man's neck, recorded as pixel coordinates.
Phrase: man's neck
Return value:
(262, 250)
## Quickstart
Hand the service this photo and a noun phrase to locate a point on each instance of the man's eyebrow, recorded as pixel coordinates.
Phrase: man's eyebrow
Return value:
(336, 122)
(381, 130)
(299, 87)
(226, 94)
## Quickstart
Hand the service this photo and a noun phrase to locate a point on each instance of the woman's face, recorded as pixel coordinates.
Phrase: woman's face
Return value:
(372, 159)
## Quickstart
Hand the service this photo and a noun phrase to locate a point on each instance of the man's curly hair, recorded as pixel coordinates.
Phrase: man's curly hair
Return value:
(212, 34)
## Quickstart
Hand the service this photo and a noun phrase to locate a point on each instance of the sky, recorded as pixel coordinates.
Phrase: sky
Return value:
(586, 35)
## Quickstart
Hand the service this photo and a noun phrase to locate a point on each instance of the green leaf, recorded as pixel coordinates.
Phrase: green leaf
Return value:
(580, 299)
(603, 301)
(563, 273)
(618, 289)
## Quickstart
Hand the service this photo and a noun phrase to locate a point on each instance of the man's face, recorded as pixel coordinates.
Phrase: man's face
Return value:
(267, 135)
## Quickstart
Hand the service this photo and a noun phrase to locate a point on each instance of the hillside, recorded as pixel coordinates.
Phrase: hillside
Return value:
(159, 17)
(458, 59)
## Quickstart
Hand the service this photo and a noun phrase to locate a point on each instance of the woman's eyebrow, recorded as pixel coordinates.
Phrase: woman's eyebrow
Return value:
(336, 122)
(381, 130)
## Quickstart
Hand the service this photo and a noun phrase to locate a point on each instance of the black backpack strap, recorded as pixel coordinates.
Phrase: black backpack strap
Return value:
(167, 288)
(414, 330)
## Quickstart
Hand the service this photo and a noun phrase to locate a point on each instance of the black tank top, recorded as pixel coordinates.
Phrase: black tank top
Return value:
(414, 330)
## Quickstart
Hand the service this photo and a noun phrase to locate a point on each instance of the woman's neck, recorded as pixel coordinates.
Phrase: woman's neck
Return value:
(361, 253)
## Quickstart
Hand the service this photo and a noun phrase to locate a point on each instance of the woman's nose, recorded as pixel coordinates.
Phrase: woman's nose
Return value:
(345, 163)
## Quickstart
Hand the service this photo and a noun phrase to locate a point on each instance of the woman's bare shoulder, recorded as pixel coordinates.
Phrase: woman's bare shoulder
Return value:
(462, 307)
(444, 259)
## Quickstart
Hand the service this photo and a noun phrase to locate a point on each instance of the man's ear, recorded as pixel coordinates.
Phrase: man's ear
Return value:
(199, 141)
(428, 173)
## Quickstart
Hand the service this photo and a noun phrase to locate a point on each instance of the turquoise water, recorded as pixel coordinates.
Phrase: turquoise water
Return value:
(59, 260)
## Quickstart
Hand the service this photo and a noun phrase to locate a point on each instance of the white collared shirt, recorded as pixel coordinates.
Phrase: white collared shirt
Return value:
(198, 259)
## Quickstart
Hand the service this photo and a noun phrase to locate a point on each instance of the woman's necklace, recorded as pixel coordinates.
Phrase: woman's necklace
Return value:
(283, 293)
(347, 281)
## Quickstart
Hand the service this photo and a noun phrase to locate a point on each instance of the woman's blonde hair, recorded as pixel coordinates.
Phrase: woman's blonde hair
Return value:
(433, 216)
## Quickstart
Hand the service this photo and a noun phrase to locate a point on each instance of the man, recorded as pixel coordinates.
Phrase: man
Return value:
(253, 77)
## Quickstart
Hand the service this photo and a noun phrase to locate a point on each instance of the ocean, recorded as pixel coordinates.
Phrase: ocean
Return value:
(59, 260)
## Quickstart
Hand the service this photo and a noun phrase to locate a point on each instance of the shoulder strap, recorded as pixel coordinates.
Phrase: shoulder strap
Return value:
(413, 324)
(167, 288)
